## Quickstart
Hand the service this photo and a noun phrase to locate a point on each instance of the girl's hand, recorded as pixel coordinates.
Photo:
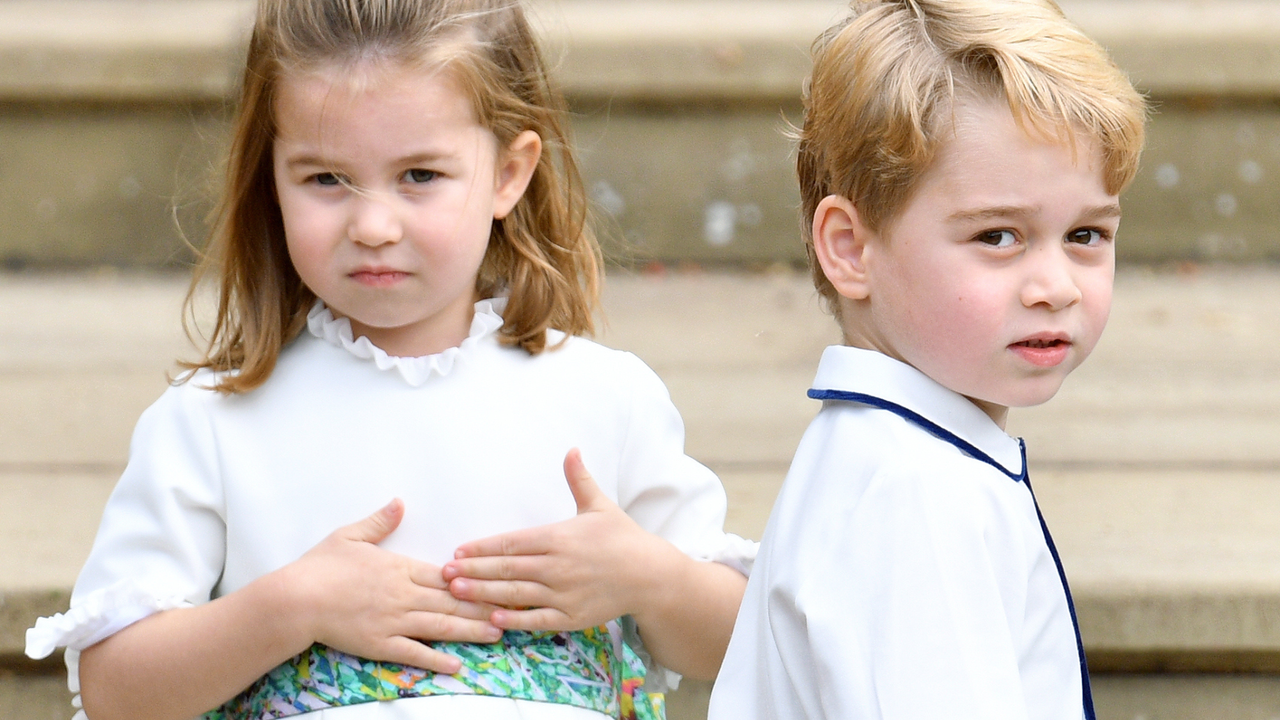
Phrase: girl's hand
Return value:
(571, 575)
(361, 599)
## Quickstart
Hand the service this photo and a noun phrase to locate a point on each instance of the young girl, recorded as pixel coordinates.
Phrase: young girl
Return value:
(404, 270)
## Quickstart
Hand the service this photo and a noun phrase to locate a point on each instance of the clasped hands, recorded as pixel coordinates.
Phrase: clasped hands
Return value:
(570, 575)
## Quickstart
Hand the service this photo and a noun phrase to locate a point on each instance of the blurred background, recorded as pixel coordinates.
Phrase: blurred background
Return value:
(1158, 466)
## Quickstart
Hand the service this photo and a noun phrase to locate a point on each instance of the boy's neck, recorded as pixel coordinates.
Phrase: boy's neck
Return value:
(999, 414)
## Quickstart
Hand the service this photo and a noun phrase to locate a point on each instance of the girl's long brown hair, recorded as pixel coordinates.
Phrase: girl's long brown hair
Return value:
(543, 255)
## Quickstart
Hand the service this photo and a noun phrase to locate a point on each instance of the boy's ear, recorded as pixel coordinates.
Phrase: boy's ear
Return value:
(840, 244)
(515, 169)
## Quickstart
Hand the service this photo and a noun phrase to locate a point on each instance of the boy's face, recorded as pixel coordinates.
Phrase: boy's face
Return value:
(995, 280)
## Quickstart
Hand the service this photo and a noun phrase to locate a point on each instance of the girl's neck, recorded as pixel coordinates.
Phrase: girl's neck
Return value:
(431, 337)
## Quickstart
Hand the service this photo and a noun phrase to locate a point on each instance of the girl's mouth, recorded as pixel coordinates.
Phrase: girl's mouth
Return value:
(378, 277)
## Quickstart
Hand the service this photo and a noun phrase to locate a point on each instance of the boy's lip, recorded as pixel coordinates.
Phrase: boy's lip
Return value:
(1043, 349)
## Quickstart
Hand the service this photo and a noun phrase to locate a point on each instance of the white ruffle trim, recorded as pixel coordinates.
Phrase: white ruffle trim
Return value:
(96, 617)
(737, 552)
(415, 370)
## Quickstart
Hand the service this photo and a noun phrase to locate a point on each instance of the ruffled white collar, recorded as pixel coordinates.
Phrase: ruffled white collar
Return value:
(415, 370)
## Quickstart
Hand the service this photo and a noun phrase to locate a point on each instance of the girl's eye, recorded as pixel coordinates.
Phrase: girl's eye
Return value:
(998, 238)
(418, 175)
(327, 179)
(1086, 236)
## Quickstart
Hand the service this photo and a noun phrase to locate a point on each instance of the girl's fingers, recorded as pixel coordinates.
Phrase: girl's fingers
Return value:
(424, 599)
(586, 493)
(444, 603)
(504, 593)
(451, 628)
(536, 619)
(376, 527)
(426, 575)
(406, 651)
(532, 541)
(520, 567)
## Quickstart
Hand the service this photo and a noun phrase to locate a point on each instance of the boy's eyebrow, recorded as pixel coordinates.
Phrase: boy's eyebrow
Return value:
(1101, 212)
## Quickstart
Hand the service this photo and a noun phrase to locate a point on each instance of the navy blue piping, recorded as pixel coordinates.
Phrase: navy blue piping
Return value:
(972, 450)
(965, 446)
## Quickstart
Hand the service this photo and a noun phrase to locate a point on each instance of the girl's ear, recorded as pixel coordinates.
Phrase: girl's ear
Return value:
(515, 170)
(840, 242)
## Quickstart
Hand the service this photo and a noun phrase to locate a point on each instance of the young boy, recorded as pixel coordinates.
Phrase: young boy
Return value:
(960, 164)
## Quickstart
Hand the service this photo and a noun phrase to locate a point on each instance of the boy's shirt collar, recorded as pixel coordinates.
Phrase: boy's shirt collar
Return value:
(867, 372)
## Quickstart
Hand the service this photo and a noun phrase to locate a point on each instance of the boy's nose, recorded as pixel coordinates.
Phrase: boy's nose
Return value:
(374, 222)
(1050, 281)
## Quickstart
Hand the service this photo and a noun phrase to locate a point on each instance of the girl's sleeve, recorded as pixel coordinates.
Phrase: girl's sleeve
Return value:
(670, 494)
(664, 490)
(162, 540)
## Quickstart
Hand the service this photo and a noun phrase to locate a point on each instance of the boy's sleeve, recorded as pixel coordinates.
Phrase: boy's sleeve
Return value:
(919, 618)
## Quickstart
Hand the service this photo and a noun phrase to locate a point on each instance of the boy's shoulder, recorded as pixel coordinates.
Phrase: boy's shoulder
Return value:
(886, 430)
(886, 456)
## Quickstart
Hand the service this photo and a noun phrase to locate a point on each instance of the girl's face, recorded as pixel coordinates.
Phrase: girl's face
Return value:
(389, 187)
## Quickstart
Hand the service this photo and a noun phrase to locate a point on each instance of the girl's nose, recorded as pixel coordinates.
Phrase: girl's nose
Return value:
(374, 222)
(1050, 281)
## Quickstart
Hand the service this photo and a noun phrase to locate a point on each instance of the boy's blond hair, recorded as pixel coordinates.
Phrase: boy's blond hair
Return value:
(543, 255)
(885, 81)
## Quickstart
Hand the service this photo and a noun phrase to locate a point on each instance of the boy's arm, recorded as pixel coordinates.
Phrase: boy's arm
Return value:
(596, 567)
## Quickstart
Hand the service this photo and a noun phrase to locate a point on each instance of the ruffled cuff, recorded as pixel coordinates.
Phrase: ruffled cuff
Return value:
(97, 616)
(737, 552)
(94, 618)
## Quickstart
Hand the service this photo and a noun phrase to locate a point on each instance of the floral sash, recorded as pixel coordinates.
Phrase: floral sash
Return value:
(584, 669)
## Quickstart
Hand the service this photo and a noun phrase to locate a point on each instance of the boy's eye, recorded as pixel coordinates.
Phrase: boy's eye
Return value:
(998, 238)
(1086, 236)
(418, 175)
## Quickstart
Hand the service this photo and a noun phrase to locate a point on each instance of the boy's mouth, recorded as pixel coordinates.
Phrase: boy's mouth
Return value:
(1042, 343)
(1042, 352)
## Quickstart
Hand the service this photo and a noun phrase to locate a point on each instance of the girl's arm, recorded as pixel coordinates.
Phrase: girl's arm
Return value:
(346, 593)
(599, 566)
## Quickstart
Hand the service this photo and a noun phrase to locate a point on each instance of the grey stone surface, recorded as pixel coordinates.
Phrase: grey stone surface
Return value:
(112, 115)
(160, 49)
(40, 697)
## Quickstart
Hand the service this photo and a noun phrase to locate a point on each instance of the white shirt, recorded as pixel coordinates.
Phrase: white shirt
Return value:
(900, 576)
(220, 490)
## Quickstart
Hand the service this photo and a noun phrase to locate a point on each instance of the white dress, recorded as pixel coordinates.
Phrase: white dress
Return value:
(220, 490)
(905, 572)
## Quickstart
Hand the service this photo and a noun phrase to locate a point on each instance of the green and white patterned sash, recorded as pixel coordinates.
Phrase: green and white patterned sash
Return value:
(580, 668)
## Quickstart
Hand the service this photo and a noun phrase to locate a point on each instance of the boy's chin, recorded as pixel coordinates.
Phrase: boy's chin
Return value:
(1028, 398)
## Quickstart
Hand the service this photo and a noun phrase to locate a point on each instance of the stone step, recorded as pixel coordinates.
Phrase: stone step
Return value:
(1156, 466)
(112, 113)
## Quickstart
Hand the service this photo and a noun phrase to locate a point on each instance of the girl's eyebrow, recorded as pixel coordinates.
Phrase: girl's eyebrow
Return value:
(420, 158)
